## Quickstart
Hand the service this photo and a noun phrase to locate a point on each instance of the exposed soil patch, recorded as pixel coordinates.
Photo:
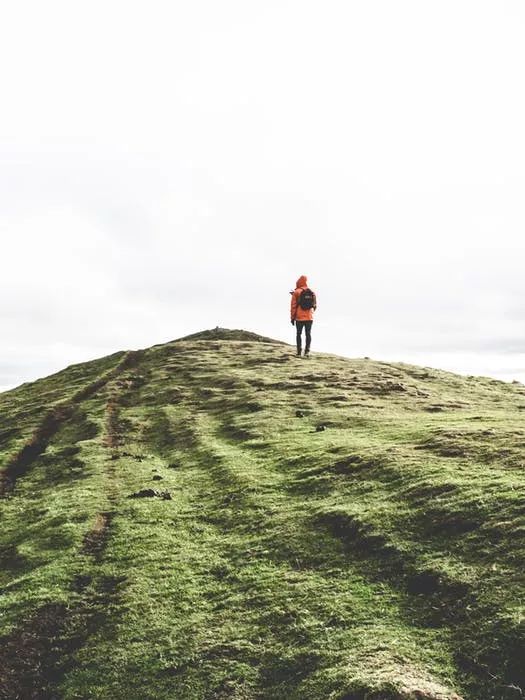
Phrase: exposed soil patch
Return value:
(151, 493)
(114, 425)
(129, 360)
(22, 461)
(96, 539)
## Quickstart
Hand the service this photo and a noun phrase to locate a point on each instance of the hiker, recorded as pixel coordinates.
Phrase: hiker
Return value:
(303, 305)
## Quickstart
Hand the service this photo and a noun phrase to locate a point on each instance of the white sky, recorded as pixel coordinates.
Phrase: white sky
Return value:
(172, 166)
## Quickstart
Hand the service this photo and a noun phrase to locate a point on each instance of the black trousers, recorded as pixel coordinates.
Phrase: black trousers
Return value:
(307, 325)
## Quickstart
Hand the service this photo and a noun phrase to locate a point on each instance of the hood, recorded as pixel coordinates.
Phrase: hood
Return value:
(301, 282)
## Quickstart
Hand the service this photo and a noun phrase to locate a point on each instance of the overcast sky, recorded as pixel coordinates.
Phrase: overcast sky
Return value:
(173, 166)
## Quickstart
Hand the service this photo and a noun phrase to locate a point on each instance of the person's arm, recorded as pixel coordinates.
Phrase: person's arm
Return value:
(315, 301)
(293, 307)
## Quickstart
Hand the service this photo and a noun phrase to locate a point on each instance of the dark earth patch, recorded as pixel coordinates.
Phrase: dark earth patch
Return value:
(151, 493)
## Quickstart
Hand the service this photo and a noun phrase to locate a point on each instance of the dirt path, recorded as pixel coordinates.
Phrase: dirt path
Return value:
(20, 463)
(36, 655)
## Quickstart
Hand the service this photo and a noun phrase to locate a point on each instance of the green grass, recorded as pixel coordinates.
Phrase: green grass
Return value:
(378, 558)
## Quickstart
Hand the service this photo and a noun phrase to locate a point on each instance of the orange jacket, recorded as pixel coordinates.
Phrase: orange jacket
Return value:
(296, 312)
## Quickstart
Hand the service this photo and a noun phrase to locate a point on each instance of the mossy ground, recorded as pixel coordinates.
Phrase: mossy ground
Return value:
(337, 528)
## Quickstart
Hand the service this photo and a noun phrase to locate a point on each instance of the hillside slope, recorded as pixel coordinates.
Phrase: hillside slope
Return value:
(215, 518)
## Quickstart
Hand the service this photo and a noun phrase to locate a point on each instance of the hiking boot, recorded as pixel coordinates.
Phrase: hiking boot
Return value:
(307, 353)
(298, 353)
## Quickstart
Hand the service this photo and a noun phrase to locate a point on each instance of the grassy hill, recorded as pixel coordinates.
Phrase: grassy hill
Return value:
(214, 518)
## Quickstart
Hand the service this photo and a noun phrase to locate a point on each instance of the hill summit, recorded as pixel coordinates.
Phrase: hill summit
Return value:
(215, 518)
(228, 334)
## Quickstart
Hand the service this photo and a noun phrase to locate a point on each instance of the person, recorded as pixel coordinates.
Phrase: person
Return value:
(303, 305)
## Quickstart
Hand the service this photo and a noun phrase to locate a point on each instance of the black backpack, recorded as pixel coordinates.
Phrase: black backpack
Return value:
(307, 299)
